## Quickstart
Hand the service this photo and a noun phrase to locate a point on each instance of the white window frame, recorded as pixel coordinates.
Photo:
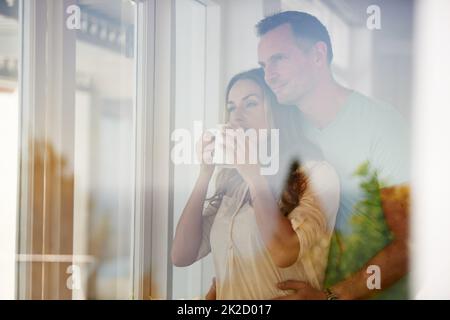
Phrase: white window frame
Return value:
(154, 223)
(37, 108)
(144, 124)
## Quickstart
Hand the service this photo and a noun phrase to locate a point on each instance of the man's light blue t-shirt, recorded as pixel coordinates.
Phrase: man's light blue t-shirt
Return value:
(363, 130)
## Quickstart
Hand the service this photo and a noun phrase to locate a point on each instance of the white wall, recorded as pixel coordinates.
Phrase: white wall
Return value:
(9, 138)
(431, 214)
(392, 55)
(240, 40)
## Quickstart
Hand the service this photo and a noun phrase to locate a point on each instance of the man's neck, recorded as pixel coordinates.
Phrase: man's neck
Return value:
(324, 102)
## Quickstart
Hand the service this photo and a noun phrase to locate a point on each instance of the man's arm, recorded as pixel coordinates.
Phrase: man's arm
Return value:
(390, 154)
(392, 260)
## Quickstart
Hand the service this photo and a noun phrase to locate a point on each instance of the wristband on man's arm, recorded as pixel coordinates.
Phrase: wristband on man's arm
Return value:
(330, 294)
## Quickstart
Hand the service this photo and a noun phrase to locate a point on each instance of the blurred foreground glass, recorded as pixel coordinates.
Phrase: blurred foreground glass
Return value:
(76, 229)
(104, 156)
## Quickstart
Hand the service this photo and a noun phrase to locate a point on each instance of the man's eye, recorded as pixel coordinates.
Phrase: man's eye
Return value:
(278, 58)
(251, 104)
(231, 108)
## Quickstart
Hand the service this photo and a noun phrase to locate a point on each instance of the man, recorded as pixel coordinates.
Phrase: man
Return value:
(353, 132)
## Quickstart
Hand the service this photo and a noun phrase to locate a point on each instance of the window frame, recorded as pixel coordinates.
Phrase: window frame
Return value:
(144, 136)
(154, 223)
(36, 113)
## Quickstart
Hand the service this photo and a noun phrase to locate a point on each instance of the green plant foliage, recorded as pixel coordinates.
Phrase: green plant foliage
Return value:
(370, 234)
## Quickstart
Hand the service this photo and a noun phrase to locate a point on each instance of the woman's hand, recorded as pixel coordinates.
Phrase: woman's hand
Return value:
(245, 153)
(205, 153)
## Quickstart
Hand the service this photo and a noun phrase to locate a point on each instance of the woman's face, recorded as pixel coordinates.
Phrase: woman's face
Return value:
(246, 106)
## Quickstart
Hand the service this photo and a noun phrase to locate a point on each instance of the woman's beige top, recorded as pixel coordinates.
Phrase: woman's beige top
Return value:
(243, 266)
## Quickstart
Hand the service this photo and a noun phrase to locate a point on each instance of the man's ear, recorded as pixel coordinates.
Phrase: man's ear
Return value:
(320, 53)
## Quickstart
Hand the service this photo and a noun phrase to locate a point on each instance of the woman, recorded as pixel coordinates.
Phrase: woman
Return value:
(258, 232)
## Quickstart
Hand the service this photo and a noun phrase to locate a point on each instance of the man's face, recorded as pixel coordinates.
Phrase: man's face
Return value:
(289, 69)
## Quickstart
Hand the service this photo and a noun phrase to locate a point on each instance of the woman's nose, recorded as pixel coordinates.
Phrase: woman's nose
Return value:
(240, 114)
(238, 118)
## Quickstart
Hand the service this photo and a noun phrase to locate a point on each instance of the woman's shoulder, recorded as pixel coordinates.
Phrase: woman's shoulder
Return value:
(319, 171)
(323, 182)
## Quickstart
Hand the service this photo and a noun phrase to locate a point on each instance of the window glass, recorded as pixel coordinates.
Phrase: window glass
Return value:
(189, 107)
(104, 148)
(77, 232)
